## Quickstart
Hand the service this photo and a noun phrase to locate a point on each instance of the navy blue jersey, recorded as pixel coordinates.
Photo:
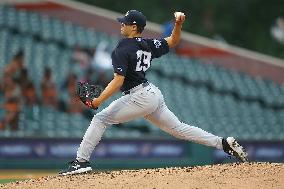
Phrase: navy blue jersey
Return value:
(132, 58)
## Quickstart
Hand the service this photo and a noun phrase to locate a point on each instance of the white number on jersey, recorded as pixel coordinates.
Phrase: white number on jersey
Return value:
(144, 60)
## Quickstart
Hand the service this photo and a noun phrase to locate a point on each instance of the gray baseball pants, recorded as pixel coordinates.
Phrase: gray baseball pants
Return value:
(147, 102)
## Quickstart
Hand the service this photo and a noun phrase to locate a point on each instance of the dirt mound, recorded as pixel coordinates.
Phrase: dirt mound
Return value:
(247, 175)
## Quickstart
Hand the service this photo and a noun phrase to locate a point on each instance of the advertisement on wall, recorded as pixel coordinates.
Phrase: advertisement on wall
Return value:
(66, 149)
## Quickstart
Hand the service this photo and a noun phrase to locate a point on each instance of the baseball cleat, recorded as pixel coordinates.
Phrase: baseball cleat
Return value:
(76, 167)
(232, 147)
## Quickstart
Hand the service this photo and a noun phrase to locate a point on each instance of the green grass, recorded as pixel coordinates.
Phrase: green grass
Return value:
(3, 181)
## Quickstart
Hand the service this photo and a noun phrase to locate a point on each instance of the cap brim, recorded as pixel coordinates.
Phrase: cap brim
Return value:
(121, 20)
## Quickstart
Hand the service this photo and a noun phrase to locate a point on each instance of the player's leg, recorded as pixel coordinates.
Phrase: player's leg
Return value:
(167, 121)
(124, 109)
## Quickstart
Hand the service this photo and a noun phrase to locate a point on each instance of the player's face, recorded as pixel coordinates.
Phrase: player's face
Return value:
(124, 29)
(127, 30)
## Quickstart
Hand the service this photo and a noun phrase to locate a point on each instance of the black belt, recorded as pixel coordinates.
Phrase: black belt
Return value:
(128, 91)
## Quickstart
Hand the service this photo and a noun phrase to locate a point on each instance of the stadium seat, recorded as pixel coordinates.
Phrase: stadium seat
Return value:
(23, 21)
(35, 24)
(91, 38)
(11, 18)
(80, 35)
(69, 34)
(58, 30)
(2, 16)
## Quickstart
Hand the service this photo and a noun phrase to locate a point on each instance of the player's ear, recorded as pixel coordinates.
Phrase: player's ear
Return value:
(134, 28)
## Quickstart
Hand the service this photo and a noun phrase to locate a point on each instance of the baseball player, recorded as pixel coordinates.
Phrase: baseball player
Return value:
(131, 59)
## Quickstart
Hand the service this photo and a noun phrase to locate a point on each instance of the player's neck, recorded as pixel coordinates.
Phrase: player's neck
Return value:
(134, 35)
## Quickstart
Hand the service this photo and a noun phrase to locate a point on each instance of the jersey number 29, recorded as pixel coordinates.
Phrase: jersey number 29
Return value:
(144, 60)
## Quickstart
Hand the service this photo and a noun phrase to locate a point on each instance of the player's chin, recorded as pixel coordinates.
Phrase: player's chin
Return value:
(123, 33)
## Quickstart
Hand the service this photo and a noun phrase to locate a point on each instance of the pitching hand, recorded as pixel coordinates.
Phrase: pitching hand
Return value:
(179, 17)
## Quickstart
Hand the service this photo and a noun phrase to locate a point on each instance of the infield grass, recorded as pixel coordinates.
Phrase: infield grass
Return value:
(3, 181)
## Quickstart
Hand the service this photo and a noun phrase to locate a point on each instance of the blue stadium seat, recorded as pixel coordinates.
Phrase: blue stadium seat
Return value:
(35, 23)
(11, 18)
(23, 21)
(58, 30)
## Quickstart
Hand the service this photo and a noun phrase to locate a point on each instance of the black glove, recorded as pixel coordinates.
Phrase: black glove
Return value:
(88, 92)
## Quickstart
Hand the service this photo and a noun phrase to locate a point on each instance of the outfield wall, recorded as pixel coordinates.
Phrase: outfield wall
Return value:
(110, 153)
(52, 153)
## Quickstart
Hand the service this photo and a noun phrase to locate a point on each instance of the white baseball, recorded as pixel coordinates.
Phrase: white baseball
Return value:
(178, 15)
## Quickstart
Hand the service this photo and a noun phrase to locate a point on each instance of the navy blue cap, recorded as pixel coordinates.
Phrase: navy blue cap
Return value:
(133, 17)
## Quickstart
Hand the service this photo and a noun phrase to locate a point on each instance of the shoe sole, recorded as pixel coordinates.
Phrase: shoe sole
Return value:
(79, 171)
(238, 149)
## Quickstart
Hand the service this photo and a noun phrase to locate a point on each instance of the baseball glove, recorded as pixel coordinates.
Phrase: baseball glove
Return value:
(87, 92)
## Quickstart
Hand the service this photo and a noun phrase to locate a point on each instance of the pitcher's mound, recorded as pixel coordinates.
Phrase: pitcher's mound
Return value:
(246, 175)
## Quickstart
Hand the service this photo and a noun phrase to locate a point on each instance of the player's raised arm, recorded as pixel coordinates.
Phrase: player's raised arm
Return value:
(173, 40)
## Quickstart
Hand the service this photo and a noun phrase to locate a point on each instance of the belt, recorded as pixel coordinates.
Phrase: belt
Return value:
(135, 88)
